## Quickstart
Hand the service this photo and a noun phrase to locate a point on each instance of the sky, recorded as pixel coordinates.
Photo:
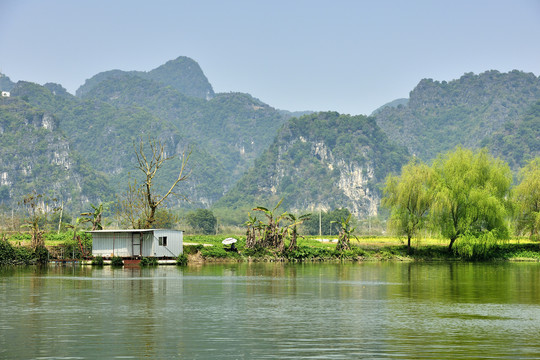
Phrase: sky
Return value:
(346, 56)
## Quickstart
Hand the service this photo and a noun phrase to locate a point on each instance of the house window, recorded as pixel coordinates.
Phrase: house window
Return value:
(162, 241)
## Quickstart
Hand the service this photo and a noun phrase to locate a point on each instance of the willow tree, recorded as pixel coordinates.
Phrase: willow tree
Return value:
(409, 198)
(471, 194)
(527, 196)
(149, 163)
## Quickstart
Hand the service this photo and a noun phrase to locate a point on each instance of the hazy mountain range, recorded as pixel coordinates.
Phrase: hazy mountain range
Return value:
(244, 152)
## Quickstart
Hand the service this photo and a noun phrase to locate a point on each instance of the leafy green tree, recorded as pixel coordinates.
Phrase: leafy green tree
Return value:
(527, 197)
(471, 194)
(327, 221)
(409, 198)
(165, 219)
(203, 220)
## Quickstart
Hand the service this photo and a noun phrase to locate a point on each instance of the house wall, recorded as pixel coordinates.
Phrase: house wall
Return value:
(174, 243)
(102, 244)
(109, 244)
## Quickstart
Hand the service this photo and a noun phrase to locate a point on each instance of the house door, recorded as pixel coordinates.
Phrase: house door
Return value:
(136, 241)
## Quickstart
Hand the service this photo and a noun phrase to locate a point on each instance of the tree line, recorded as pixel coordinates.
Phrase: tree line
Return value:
(468, 196)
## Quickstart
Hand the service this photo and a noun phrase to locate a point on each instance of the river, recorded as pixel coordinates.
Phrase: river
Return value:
(272, 311)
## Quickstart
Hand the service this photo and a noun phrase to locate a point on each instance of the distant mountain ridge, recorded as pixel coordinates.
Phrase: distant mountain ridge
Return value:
(467, 111)
(183, 74)
(245, 152)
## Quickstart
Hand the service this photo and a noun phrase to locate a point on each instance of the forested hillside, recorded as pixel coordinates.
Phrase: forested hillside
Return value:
(468, 111)
(224, 132)
(244, 152)
(321, 161)
(182, 74)
(233, 127)
(517, 141)
(36, 156)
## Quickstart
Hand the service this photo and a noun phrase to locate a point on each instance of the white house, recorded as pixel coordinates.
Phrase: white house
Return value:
(137, 243)
(6, 94)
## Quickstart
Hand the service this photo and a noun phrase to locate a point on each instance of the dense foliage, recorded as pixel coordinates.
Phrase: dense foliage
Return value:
(36, 156)
(527, 197)
(323, 160)
(465, 195)
(202, 220)
(490, 109)
(410, 197)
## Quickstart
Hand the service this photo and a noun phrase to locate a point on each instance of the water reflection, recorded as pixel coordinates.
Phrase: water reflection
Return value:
(261, 310)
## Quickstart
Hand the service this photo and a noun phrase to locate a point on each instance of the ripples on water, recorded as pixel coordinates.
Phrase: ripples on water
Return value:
(270, 311)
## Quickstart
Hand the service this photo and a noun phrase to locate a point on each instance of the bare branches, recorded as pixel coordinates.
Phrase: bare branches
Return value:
(150, 165)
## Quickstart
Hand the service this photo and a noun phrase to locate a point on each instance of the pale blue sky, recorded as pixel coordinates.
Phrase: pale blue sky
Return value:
(347, 56)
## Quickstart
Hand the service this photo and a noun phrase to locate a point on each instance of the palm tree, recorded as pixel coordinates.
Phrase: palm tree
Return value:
(273, 237)
(93, 217)
(295, 221)
(345, 233)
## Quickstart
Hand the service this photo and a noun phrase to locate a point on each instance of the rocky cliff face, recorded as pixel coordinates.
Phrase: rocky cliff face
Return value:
(36, 156)
(322, 162)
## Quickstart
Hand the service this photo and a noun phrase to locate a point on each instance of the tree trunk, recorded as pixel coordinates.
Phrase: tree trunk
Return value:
(451, 243)
(409, 244)
(292, 245)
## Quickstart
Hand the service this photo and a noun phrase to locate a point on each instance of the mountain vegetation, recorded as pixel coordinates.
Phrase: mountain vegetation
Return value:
(182, 74)
(473, 111)
(36, 156)
(226, 132)
(321, 161)
(245, 153)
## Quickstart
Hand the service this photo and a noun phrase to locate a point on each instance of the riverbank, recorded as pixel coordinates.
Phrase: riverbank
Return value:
(208, 248)
(200, 249)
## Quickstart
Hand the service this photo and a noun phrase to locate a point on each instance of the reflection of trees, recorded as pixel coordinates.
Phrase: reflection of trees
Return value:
(472, 282)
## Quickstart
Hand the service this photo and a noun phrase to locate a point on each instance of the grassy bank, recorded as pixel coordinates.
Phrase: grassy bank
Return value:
(208, 248)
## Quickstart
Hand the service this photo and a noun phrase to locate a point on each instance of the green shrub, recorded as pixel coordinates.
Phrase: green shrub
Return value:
(117, 261)
(24, 255)
(256, 252)
(214, 251)
(192, 249)
(148, 261)
(471, 247)
(72, 248)
(218, 252)
(41, 255)
(7, 253)
(182, 260)
(310, 253)
(97, 261)
(352, 254)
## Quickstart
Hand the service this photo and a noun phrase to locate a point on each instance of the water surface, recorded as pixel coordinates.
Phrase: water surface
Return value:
(271, 311)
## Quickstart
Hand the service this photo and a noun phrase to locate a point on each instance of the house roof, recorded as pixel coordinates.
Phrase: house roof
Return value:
(127, 231)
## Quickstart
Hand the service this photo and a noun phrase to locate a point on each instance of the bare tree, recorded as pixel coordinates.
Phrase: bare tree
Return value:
(131, 206)
(149, 166)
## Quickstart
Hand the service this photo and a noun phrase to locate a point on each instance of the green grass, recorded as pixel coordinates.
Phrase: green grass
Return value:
(313, 248)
